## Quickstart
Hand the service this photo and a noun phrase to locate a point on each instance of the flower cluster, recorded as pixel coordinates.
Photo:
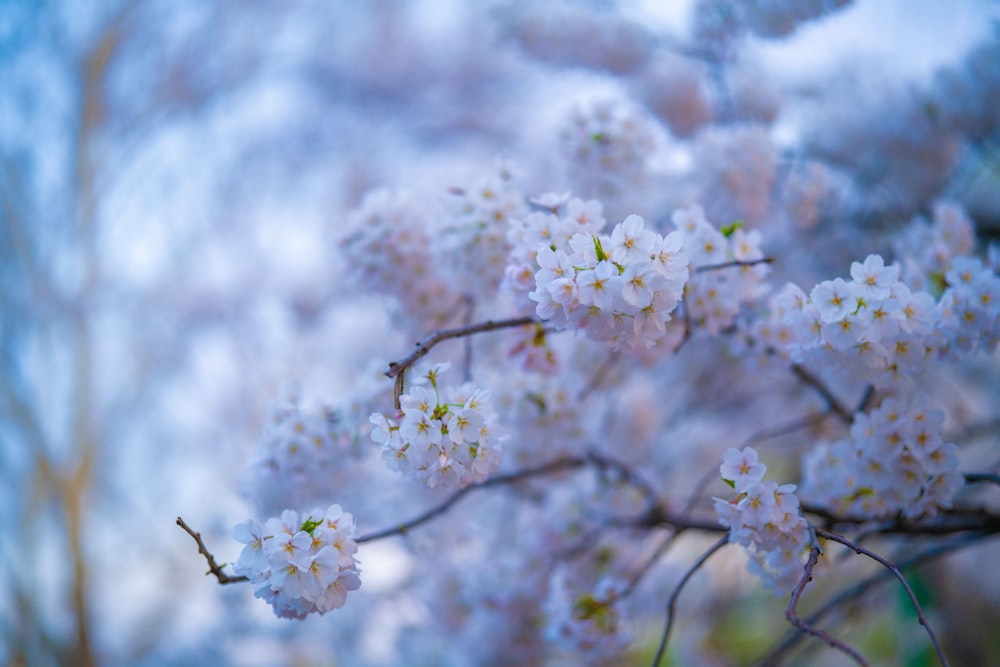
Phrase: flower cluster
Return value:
(302, 450)
(737, 168)
(875, 327)
(872, 326)
(531, 346)
(607, 147)
(586, 621)
(300, 566)
(895, 460)
(764, 518)
(928, 248)
(561, 217)
(620, 288)
(475, 237)
(713, 298)
(443, 437)
(391, 251)
(969, 310)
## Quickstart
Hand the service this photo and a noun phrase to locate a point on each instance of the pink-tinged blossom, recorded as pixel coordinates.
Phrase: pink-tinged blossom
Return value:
(310, 569)
(874, 277)
(742, 467)
(452, 441)
(764, 518)
(619, 288)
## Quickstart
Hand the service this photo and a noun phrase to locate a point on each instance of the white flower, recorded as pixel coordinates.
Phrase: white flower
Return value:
(874, 277)
(311, 566)
(741, 467)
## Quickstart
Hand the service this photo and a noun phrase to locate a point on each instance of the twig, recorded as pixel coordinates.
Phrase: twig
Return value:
(899, 575)
(835, 406)
(803, 626)
(683, 522)
(213, 567)
(859, 589)
(558, 465)
(675, 594)
(737, 262)
(435, 337)
(977, 477)
(397, 368)
(598, 378)
(470, 308)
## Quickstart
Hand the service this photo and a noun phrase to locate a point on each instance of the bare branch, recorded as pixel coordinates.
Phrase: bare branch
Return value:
(862, 587)
(727, 265)
(792, 615)
(557, 465)
(435, 337)
(899, 575)
(835, 406)
(978, 477)
(213, 567)
(675, 594)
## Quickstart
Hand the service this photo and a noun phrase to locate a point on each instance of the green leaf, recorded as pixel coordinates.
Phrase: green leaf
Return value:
(729, 230)
(601, 255)
(311, 524)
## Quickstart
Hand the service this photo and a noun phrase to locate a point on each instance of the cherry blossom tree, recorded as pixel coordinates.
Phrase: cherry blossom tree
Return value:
(561, 334)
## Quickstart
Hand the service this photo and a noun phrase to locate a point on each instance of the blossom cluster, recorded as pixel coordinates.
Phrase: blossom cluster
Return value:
(302, 450)
(589, 621)
(444, 437)
(969, 310)
(620, 288)
(390, 249)
(475, 236)
(876, 327)
(714, 298)
(560, 217)
(300, 566)
(764, 518)
(532, 346)
(927, 248)
(607, 147)
(895, 460)
(872, 326)
(738, 166)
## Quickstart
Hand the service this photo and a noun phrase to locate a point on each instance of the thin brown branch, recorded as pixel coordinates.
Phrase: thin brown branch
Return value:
(831, 401)
(776, 655)
(902, 580)
(807, 628)
(213, 567)
(558, 465)
(561, 464)
(430, 340)
(736, 262)
(675, 594)
(979, 477)
(946, 523)
(599, 375)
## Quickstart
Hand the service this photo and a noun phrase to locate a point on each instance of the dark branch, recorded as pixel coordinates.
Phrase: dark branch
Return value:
(675, 594)
(558, 465)
(862, 587)
(978, 477)
(807, 628)
(902, 580)
(727, 265)
(831, 400)
(435, 337)
(213, 567)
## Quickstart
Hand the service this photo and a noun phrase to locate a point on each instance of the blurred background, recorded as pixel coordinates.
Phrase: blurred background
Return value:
(174, 181)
